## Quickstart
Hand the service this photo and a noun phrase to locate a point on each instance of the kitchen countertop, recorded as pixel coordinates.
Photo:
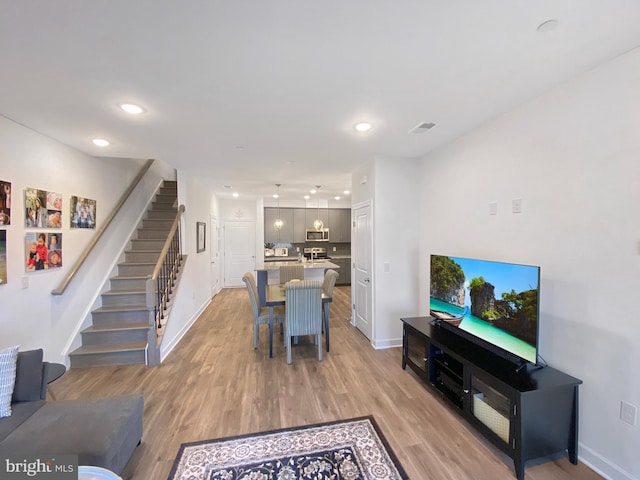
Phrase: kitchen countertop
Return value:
(275, 265)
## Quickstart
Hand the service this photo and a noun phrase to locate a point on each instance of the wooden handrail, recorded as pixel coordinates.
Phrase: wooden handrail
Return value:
(167, 244)
(94, 240)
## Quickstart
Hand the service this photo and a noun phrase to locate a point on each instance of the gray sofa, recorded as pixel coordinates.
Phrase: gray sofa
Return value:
(102, 432)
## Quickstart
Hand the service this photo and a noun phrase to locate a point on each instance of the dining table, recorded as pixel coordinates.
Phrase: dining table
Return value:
(276, 296)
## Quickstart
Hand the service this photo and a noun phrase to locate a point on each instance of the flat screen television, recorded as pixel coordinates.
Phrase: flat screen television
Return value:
(494, 304)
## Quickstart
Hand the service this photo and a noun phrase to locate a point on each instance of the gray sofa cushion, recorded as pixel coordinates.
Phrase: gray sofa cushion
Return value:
(103, 432)
(20, 412)
(28, 376)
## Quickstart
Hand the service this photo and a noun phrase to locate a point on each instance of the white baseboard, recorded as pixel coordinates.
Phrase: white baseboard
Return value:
(388, 343)
(601, 465)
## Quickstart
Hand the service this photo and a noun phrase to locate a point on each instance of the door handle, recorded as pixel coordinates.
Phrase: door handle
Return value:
(366, 280)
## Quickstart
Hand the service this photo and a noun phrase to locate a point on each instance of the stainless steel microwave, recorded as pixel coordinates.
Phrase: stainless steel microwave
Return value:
(314, 235)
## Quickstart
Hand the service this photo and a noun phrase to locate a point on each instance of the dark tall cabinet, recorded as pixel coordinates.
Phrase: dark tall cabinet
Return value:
(528, 414)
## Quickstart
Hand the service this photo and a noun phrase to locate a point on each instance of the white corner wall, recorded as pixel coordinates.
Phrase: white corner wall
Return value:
(573, 156)
(396, 247)
(193, 293)
(391, 187)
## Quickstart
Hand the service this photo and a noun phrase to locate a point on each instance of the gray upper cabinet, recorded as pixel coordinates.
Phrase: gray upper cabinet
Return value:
(299, 225)
(285, 235)
(340, 225)
(298, 220)
(313, 213)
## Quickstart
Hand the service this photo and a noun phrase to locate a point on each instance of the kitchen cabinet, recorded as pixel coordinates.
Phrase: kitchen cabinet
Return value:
(298, 220)
(344, 273)
(339, 225)
(299, 225)
(313, 213)
(285, 235)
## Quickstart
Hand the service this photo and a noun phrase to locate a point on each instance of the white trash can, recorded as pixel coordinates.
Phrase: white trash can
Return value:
(96, 473)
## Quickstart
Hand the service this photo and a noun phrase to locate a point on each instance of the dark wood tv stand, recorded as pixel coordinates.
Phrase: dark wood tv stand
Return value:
(528, 414)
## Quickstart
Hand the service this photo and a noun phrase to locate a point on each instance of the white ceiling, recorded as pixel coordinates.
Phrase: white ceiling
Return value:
(250, 93)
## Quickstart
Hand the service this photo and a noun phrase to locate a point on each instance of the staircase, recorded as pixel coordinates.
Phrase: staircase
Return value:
(120, 329)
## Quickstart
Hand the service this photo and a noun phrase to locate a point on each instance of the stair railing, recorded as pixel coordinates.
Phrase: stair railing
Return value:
(159, 287)
(98, 235)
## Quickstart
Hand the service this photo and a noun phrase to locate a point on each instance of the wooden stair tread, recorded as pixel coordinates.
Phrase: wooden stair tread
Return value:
(107, 348)
(116, 327)
(137, 263)
(121, 308)
(124, 292)
(128, 277)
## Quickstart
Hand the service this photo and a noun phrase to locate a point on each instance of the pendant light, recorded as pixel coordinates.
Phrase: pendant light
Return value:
(317, 223)
(278, 224)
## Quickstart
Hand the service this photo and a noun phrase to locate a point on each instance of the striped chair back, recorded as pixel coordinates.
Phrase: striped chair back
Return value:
(330, 278)
(303, 308)
(291, 272)
(252, 288)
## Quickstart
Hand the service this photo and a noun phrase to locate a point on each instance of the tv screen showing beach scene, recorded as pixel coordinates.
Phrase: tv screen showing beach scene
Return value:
(494, 301)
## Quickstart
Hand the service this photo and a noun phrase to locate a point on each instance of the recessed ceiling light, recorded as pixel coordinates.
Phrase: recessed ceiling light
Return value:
(100, 142)
(313, 190)
(131, 108)
(346, 192)
(336, 197)
(236, 194)
(362, 127)
(307, 197)
(275, 195)
(547, 26)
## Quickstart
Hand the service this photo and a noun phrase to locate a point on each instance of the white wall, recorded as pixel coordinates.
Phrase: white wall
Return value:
(32, 317)
(193, 294)
(573, 157)
(396, 254)
(391, 186)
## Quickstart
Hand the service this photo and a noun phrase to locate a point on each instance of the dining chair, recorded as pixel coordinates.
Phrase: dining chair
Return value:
(329, 282)
(291, 272)
(303, 313)
(260, 313)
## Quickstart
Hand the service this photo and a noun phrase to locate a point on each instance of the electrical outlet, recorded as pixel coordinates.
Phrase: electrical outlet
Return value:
(334, 249)
(25, 282)
(493, 208)
(516, 205)
(628, 413)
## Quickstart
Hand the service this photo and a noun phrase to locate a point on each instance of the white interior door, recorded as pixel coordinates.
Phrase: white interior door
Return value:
(362, 259)
(215, 256)
(239, 251)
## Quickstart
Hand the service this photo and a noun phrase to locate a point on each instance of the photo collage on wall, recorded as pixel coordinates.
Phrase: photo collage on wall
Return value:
(42, 209)
(42, 250)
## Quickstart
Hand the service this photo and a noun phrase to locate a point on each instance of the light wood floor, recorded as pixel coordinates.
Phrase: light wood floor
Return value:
(214, 384)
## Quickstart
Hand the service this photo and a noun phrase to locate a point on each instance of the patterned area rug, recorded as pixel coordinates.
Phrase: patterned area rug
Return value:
(345, 450)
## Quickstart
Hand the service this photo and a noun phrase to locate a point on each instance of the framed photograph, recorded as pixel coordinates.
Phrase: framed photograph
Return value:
(201, 236)
(3, 257)
(5, 203)
(83, 212)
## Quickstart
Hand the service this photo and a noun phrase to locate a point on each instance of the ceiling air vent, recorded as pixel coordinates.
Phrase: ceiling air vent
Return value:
(422, 127)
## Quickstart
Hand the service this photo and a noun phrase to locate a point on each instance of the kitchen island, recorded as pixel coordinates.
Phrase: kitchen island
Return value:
(312, 270)
(268, 273)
